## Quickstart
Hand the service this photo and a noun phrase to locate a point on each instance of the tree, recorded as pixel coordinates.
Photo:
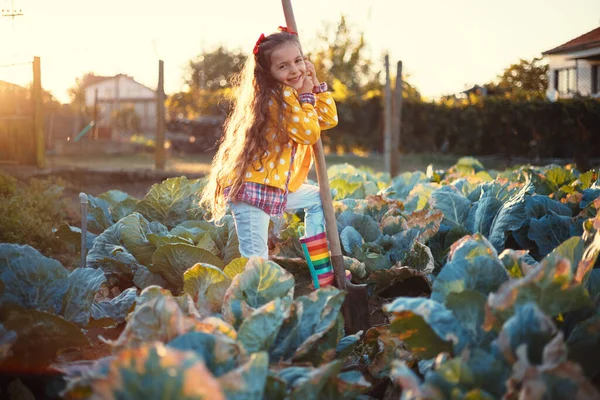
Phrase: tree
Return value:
(409, 91)
(209, 84)
(126, 120)
(77, 91)
(523, 80)
(195, 102)
(341, 56)
(531, 76)
(212, 70)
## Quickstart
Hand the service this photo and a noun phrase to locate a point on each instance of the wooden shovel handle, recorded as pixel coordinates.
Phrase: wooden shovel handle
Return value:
(330, 222)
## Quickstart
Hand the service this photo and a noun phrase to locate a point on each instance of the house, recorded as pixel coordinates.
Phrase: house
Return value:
(7, 86)
(120, 92)
(574, 67)
(14, 99)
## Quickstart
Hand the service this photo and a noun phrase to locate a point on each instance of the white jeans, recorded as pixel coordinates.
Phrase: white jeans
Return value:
(252, 223)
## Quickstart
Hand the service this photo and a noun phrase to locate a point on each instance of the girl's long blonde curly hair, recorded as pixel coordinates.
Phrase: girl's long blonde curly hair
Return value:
(245, 141)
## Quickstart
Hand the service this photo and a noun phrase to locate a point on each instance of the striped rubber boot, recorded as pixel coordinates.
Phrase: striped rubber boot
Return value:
(316, 252)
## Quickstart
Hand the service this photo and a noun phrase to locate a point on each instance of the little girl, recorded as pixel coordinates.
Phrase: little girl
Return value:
(266, 151)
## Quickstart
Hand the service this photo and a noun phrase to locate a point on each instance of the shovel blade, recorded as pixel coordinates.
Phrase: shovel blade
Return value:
(356, 309)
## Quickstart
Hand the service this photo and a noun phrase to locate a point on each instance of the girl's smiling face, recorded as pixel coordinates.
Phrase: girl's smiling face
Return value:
(287, 65)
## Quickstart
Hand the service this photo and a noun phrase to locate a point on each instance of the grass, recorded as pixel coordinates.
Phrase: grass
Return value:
(199, 164)
(408, 162)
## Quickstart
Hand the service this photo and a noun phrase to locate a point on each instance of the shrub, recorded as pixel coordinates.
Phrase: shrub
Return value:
(29, 212)
(513, 129)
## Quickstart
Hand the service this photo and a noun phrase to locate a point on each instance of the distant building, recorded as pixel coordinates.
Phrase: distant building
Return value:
(117, 93)
(574, 67)
(485, 90)
(14, 99)
(7, 86)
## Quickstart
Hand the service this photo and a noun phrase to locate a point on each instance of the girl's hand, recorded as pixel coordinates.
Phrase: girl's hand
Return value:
(310, 72)
(307, 85)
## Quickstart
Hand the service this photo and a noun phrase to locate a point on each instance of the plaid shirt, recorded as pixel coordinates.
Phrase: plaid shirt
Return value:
(270, 199)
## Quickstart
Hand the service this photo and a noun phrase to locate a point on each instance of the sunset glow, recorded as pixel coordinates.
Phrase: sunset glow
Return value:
(445, 46)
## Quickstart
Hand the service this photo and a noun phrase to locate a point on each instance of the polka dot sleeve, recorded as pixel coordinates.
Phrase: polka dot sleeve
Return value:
(302, 120)
(326, 110)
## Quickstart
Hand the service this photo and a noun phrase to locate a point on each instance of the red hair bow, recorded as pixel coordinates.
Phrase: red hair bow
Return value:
(258, 42)
(288, 30)
(263, 37)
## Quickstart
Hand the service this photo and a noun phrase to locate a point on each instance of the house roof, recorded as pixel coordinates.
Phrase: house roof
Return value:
(8, 85)
(585, 41)
(92, 80)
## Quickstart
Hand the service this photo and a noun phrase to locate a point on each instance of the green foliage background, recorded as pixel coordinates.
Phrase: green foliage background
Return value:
(29, 212)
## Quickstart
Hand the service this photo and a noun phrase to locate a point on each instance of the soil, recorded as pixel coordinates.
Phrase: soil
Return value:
(98, 348)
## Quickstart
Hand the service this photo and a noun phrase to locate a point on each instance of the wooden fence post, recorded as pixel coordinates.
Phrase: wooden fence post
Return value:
(95, 132)
(38, 114)
(396, 123)
(387, 120)
(160, 160)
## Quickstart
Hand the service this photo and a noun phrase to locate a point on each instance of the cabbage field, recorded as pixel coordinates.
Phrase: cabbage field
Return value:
(483, 284)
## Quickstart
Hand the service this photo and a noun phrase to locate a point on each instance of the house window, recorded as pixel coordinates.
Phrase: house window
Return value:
(596, 79)
(565, 80)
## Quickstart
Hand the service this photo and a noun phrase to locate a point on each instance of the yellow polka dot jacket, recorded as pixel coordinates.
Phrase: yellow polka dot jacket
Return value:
(304, 123)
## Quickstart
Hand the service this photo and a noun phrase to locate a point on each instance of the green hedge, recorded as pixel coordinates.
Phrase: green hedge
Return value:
(567, 129)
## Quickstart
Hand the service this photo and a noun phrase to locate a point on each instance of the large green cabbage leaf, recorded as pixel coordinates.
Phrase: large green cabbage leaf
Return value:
(172, 201)
(248, 380)
(403, 184)
(120, 204)
(511, 216)
(32, 280)
(78, 301)
(529, 326)
(171, 261)
(155, 371)
(115, 309)
(427, 327)
(481, 273)
(219, 352)
(261, 282)
(312, 317)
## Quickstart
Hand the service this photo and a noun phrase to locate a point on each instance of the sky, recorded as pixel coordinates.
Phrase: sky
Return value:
(445, 46)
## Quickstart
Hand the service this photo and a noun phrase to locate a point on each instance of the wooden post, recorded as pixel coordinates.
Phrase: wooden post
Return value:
(38, 114)
(83, 199)
(387, 120)
(160, 160)
(396, 123)
(95, 132)
(356, 304)
(324, 189)
(116, 108)
(50, 133)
